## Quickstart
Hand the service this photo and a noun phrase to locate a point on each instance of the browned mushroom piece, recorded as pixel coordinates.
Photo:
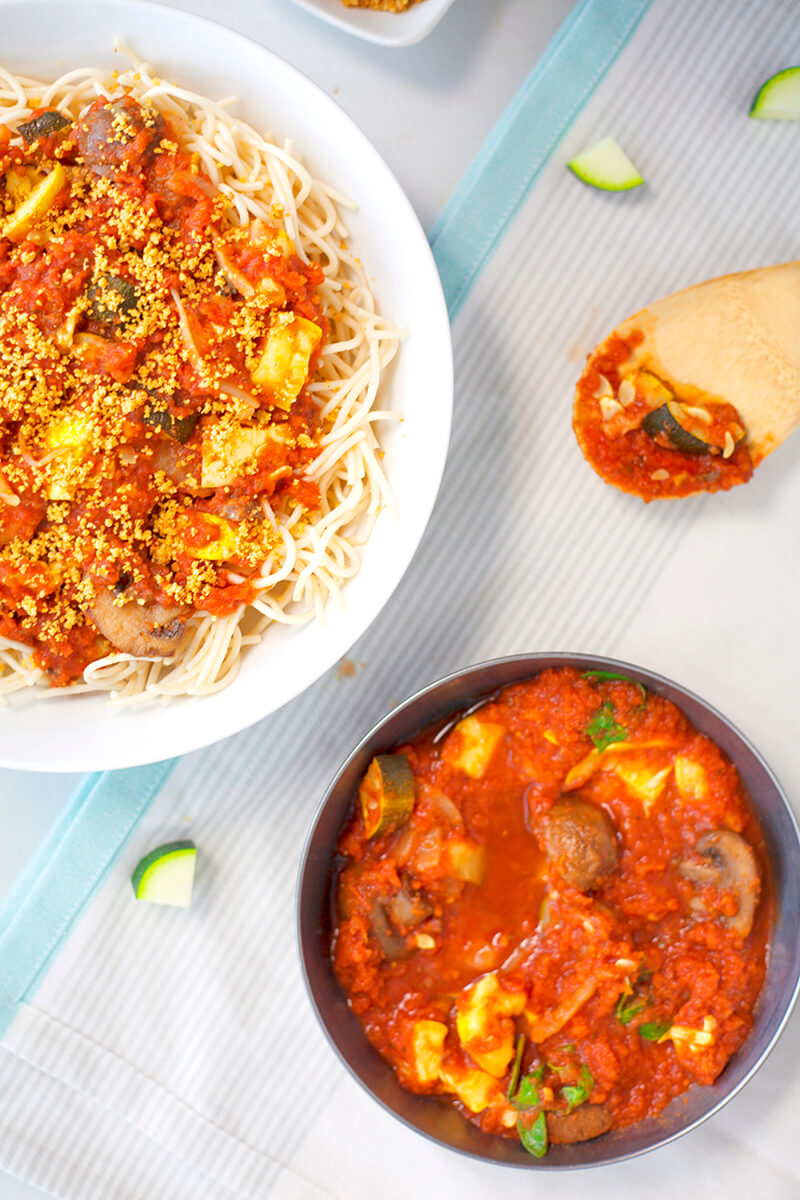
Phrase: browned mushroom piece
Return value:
(581, 1125)
(144, 630)
(579, 841)
(117, 136)
(730, 866)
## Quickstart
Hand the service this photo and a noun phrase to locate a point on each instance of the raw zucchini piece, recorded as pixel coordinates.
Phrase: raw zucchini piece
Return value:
(166, 875)
(386, 794)
(779, 98)
(605, 165)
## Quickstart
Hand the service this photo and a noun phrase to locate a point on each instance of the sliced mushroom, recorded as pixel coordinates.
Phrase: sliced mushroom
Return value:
(144, 630)
(579, 841)
(408, 908)
(393, 944)
(584, 1123)
(730, 866)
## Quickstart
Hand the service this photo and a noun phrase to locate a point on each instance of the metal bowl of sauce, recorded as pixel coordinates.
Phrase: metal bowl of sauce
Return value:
(772, 913)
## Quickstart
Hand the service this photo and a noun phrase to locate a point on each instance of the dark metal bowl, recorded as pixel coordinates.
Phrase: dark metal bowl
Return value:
(436, 1118)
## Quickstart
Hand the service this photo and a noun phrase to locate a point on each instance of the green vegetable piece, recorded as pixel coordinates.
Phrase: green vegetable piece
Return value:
(605, 676)
(166, 875)
(534, 1137)
(574, 1096)
(113, 298)
(514, 1080)
(605, 165)
(50, 121)
(528, 1094)
(653, 1030)
(627, 1008)
(587, 1079)
(779, 98)
(603, 729)
(180, 429)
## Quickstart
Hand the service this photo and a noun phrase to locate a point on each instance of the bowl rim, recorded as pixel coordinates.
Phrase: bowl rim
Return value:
(533, 663)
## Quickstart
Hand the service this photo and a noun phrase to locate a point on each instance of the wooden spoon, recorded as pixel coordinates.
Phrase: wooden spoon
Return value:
(729, 341)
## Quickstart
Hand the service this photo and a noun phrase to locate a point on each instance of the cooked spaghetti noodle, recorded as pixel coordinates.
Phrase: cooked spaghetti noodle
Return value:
(193, 362)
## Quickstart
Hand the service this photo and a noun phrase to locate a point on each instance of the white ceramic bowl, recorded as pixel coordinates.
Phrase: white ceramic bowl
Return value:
(43, 38)
(385, 28)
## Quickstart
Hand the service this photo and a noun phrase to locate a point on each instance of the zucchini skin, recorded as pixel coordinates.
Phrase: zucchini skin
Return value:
(661, 420)
(49, 122)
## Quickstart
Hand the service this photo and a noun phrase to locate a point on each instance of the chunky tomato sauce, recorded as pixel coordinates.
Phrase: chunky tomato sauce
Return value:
(153, 400)
(579, 887)
(612, 437)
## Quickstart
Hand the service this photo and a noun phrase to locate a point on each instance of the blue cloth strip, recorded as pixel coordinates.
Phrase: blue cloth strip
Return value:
(40, 910)
(519, 146)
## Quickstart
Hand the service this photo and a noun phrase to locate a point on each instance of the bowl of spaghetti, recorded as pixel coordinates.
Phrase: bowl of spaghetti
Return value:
(227, 388)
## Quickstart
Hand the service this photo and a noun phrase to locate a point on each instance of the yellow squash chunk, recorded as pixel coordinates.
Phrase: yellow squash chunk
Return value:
(427, 1043)
(475, 1089)
(283, 367)
(484, 1025)
(386, 794)
(231, 450)
(71, 432)
(646, 782)
(224, 545)
(36, 204)
(691, 778)
(475, 742)
(20, 182)
(466, 860)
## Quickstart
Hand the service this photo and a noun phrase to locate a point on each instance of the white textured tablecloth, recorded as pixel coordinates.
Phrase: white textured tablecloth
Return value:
(173, 1054)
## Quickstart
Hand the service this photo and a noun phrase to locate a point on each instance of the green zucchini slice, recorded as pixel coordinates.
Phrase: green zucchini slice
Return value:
(166, 875)
(180, 429)
(779, 98)
(113, 299)
(605, 165)
(667, 420)
(50, 121)
(386, 794)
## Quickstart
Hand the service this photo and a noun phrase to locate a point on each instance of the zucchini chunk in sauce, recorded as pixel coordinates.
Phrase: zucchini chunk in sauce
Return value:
(386, 794)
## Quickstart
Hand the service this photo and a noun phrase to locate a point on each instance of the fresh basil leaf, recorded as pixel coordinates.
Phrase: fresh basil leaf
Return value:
(573, 1096)
(528, 1094)
(627, 1008)
(604, 676)
(534, 1137)
(653, 1030)
(603, 729)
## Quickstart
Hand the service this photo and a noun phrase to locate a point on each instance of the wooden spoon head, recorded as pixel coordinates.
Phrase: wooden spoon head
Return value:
(691, 393)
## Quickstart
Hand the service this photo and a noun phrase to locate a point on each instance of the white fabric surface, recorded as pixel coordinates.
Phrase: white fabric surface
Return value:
(173, 1054)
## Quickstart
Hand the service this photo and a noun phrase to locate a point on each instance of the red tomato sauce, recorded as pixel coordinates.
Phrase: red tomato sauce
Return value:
(466, 924)
(128, 305)
(626, 456)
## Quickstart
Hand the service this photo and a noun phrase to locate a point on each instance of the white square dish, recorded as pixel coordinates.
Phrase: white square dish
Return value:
(384, 28)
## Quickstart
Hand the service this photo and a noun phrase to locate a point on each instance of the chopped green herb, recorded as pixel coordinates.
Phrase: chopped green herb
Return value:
(534, 1137)
(627, 1008)
(604, 676)
(587, 1079)
(528, 1094)
(574, 1096)
(512, 1083)
(603, 729)
(653, 1030)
